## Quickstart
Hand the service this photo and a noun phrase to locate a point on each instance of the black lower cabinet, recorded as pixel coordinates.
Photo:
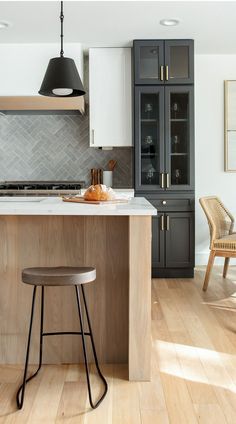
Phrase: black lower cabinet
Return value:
(173, 241)
(173, 245)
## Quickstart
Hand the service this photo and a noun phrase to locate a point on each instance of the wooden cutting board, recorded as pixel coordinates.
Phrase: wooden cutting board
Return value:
(93, 202)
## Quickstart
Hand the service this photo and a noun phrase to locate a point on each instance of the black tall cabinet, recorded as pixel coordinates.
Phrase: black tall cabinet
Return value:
(164, 149)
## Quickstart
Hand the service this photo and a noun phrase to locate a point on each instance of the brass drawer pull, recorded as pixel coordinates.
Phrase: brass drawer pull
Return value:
(167, 180)
(167, 223)
(167, 72)
(161, 72)
(162, 223)
(162, 180)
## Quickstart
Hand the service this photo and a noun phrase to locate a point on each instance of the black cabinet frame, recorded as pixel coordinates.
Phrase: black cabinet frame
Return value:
(179, 249)
(175, 43)
(164, 59)
(173, 231)
(191, 173)
(148, 43)
(169, 251)
(137, 117)
(164, 137)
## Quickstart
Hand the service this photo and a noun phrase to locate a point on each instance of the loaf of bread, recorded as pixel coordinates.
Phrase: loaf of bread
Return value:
(99, 192)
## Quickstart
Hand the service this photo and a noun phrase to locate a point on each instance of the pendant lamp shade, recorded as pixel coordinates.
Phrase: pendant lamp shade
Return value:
(62, 79)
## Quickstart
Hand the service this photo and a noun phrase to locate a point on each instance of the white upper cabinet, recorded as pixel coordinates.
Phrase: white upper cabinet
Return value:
(110, 97)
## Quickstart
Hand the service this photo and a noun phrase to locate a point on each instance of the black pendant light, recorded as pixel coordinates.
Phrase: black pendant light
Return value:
(62, 78)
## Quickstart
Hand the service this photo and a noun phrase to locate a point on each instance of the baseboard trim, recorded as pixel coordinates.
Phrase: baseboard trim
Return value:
(172, 273)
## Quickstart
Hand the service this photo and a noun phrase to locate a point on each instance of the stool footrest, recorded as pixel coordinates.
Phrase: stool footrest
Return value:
(62, 333)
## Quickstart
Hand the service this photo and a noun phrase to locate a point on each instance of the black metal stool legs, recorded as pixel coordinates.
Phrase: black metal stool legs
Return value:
(21, 391)
(93, 405)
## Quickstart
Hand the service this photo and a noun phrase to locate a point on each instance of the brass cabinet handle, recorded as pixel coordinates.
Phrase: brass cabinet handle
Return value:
(162, 180)
(162, 223)
(167, 223)
(161, 72)
(167, 72)
(167, 180)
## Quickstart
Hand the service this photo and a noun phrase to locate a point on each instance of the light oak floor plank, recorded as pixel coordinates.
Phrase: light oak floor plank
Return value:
(193, 370)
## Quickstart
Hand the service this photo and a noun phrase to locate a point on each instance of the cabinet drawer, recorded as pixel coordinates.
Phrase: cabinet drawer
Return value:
(163, 205)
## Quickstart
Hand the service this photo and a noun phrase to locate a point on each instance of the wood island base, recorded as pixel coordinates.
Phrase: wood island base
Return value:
(119, 300)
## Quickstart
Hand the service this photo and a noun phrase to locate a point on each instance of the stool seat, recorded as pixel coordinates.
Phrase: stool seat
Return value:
(58, 276)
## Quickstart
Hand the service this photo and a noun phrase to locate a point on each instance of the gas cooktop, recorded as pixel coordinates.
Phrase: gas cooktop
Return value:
(40, 188)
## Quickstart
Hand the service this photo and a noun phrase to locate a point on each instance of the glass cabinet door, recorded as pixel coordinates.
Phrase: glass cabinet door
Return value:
(149, 138)
(179, 134)
(179, 66)
(149, 62)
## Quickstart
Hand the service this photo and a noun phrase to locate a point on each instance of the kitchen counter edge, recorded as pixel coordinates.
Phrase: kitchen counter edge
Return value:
(55, 206)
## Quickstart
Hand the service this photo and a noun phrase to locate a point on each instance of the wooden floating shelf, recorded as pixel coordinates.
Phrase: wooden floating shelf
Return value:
(41, 103)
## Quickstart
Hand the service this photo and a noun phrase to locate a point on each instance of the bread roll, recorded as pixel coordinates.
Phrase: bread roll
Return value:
(99, 192)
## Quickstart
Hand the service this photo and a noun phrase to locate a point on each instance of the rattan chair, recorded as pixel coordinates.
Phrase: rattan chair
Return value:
(223, 239)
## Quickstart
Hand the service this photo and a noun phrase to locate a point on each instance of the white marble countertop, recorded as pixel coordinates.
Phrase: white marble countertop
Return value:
(55, 206)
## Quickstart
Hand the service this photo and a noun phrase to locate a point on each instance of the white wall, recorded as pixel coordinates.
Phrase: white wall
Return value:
(210, 73)
(23, 66)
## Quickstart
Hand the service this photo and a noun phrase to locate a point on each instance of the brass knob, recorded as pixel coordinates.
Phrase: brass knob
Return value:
(164, 202)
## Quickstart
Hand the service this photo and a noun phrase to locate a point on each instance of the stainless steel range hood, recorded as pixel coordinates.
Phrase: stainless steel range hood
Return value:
(41, 103)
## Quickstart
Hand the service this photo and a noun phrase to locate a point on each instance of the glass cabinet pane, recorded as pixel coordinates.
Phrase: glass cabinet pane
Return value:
(179, 62)
(149, 62)
(149, 138)
(180, 138)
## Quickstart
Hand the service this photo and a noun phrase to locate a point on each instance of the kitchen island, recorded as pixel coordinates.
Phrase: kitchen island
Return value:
(116, 239)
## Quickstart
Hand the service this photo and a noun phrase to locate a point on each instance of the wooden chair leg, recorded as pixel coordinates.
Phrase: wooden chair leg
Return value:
(208, 270)
(226, 266)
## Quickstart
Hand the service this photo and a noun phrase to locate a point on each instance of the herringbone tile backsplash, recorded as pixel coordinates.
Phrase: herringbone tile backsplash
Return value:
(55, 147)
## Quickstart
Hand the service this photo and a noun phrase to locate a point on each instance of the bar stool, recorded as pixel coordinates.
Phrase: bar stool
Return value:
(60, 276)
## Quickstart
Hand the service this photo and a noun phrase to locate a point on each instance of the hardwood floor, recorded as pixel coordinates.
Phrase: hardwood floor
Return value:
(193, 367)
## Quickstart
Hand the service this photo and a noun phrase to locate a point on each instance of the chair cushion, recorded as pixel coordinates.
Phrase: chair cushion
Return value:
(225, 243)
(58, 276)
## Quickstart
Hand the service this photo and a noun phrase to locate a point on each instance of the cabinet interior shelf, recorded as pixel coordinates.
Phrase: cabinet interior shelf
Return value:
(148, 120)
(179, 154)
(179, 120)
(154, 172)
(149, 154)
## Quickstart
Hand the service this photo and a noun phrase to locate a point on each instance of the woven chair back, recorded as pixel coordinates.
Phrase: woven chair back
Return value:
(219, 219)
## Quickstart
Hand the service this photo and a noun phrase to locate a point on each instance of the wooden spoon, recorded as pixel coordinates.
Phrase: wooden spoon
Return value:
(111, 164)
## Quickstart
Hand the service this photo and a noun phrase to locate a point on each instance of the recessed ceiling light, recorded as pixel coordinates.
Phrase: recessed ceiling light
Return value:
(4, 24)
(169, 22)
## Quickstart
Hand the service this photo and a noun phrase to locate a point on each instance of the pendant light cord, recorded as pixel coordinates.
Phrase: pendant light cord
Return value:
(62, 35)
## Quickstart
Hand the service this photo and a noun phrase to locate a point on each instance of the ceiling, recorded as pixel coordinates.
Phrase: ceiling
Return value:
(106, 23)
